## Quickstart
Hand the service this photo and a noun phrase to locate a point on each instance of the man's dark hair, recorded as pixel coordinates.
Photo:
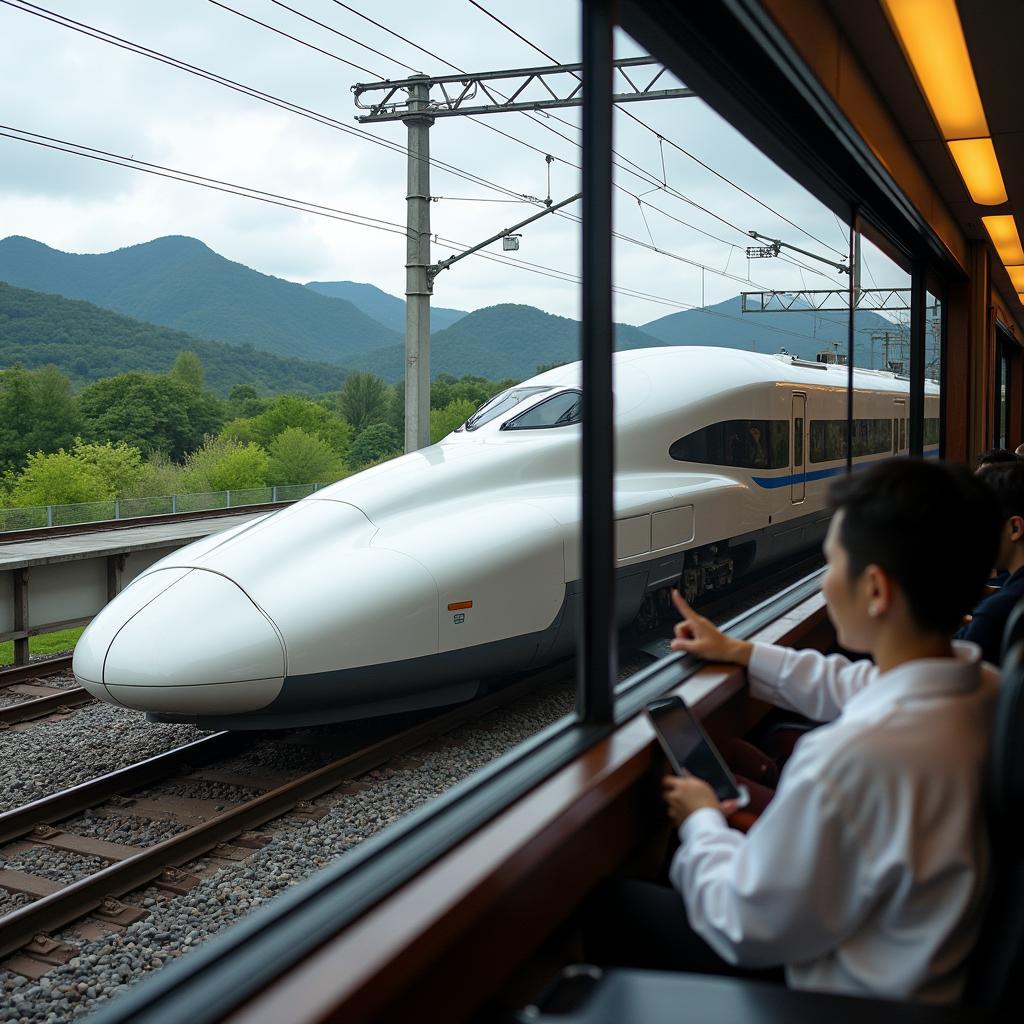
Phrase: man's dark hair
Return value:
(1006, 481)
(933, 527)
(994, 456)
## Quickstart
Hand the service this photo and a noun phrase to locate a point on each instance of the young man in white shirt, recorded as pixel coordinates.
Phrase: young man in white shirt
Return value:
(867, 872)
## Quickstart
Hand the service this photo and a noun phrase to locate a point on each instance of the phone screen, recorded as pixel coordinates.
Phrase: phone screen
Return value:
(688, 747)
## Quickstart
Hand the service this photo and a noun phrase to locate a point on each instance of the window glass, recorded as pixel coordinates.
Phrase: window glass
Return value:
(798, 442)
(746, 444)
(559, 411)
(870, 437)
(931, 430)
(501, 404)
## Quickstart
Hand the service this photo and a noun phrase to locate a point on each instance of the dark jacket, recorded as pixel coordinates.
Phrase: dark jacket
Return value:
(989, 621)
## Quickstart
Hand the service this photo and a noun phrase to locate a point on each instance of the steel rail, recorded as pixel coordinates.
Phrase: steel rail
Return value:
(60, 908)
(35, 670)
(29, 710)
(48, 809)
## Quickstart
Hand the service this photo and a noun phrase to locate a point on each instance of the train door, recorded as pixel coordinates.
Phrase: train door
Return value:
(899, 427)
(798, 489)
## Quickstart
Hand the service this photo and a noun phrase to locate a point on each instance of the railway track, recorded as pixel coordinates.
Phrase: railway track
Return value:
(225, 834)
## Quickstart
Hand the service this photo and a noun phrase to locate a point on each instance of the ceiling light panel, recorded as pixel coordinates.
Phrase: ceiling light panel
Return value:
(978, 166)
(1005, 237)
(933, 41)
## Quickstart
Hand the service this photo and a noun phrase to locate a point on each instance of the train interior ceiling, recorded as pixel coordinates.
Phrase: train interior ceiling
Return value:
(468, 909)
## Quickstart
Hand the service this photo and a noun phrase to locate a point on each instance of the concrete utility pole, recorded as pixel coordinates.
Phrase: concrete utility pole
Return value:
(417, 279)
(409, 100)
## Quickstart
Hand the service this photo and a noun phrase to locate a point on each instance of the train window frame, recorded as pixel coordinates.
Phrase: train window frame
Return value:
(516, 422)
(491, 406)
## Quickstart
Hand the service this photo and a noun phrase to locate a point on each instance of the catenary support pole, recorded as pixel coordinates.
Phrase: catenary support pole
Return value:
(598, 654)
(417, 281)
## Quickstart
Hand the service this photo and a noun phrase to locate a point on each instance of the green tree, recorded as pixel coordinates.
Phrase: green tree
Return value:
(363, 400)
(188, 370)
(444, 421)
(148, 411)
(37, 413)
(119, 465)
(158, 477)
(222, 465)
(300, 458)
(57, 478)
(293, 411)
(375, 444)
(244, 400)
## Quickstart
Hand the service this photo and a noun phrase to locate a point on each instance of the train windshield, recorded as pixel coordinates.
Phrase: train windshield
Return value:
(558, 411)
(501, 404)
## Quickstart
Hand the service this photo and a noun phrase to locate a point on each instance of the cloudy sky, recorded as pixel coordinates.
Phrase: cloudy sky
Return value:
(68, 86)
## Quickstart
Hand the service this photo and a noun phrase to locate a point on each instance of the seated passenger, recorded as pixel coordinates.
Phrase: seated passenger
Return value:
(989, 618)
(994, 456)
(866, 874)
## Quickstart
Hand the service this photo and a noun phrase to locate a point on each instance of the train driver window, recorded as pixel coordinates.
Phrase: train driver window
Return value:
(557, 411)
(502, 403)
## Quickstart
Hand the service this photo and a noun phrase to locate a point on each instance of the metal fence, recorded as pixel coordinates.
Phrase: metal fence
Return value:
(39, 516)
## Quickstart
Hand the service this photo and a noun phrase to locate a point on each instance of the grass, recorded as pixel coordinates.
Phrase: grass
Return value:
(45, 643)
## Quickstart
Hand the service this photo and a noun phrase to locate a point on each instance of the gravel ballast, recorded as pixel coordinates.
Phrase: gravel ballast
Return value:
(113, 737)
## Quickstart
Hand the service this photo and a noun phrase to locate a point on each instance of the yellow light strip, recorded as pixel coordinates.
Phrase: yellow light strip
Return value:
(933, 41)
(976, 160)
(1017, 278)
(1005, 237)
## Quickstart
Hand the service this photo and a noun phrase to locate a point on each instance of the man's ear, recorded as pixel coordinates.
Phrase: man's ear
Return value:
(1015, 528)
(879, 590)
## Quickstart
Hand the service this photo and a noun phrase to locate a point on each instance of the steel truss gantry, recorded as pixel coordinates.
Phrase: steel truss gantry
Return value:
(410, 100)
(825, 300)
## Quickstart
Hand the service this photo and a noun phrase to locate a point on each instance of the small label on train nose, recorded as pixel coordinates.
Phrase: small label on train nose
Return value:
(458, 606)
(460, 618)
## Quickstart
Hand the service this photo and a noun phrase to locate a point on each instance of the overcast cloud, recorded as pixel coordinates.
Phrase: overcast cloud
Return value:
(62, 84)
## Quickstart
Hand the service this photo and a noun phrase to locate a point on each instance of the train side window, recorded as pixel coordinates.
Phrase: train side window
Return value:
(558, 411)
(744, 444)
(502, 403)
(931, 430)
(798, 442)
(870, 437)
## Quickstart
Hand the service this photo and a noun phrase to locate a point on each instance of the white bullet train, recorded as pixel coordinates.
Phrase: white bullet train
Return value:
(401, 586)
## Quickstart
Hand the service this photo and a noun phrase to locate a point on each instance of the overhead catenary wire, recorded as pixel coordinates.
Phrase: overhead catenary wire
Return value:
(254, 93)
(663, 138)
(321, 210)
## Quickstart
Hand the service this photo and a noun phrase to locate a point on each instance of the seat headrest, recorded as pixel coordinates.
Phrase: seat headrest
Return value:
(1014, 628)
(1006, 755)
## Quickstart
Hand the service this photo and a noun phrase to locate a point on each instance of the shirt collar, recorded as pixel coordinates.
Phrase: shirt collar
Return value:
(925, 677)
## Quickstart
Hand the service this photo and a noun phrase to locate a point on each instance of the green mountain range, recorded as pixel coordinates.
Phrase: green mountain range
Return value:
(384, 308)
(88, 343)
(499, 341)
(181, 283)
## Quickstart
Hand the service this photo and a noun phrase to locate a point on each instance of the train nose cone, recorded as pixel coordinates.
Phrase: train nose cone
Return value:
(192, 644)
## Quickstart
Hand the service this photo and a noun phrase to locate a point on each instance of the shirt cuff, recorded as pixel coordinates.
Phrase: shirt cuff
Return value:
(765, 669)
(703, 821)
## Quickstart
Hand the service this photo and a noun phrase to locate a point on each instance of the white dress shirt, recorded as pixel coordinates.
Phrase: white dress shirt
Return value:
(867, 872)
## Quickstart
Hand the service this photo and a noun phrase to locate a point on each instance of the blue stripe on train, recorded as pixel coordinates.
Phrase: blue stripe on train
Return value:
(771, 482)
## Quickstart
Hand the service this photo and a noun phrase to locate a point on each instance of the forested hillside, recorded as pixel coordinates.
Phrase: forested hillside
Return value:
(384, 308)
(181, 283)
(500, 341)
(87, 343)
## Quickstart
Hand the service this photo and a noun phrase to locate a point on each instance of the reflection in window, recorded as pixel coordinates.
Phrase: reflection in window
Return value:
(502, 403)
(870, 437)
(746, 444)
(559, 411)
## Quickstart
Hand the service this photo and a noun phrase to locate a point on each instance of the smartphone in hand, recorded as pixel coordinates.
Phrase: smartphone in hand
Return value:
(690, 751)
